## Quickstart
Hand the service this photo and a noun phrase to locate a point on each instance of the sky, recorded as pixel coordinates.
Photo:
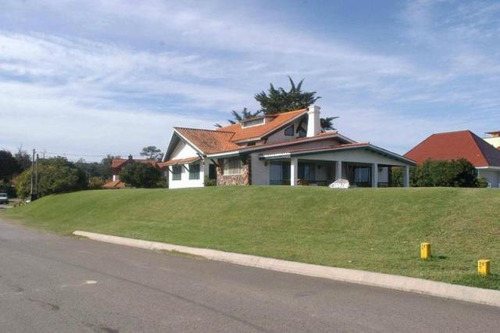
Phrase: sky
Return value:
(84, 79)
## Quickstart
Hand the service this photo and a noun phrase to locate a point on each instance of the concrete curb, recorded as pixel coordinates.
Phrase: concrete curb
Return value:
(420, 286)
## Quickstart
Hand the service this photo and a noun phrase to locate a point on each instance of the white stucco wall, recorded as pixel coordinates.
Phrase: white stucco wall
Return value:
(185, 182)
(183, 150)
(492, 176)
(260, 172)
(495, 142)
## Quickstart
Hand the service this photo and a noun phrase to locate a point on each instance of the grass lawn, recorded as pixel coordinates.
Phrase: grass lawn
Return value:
(370, 229)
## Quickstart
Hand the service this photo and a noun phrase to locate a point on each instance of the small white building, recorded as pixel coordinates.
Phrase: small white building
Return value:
(283, 149)
(493, 139)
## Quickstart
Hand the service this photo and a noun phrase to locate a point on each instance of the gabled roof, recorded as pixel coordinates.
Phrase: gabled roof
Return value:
(179, 161)
(289, 143)
(208, 141)
(347, 146)
(225, 139)
(257, 132)
(118, 162)
(456, 145)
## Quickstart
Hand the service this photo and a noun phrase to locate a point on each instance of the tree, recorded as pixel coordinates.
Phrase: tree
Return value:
(244, 114)
(106, 166)
(102, 170)
(279, 100)
(141, 175)
(55, 175)
(8, 165)
(327, 123)
(151, 152)
(23, 159)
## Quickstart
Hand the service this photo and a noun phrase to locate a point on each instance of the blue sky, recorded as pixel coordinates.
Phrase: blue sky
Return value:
(88, 78)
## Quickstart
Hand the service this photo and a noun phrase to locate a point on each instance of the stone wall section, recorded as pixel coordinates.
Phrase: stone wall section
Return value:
(241, 179)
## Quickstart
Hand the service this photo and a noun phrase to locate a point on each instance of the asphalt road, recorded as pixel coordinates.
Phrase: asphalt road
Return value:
(61, 284)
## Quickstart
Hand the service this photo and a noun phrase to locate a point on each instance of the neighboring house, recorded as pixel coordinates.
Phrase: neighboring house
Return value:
(117, 166)
(283, 149)
(494, 139)
(461, 144)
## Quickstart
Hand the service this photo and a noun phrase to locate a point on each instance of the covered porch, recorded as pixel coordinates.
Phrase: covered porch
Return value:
(365, 166)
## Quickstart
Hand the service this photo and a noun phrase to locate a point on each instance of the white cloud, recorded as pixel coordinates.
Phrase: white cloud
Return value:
(81, 74)
(40, 117)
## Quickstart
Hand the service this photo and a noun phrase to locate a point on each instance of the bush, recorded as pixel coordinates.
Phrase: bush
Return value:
(454, 173)
(209, 182)
(55, 175)
(482, 182)
(95, 183)
(142, 175)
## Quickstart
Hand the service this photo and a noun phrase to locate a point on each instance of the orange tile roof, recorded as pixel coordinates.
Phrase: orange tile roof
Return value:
(114, 184)
(119, 162)
(225, 139)
(209, 141)
(456, 145)
(252, 132)
(179, 161)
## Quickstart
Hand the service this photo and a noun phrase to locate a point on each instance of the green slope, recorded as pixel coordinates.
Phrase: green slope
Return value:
(370, 229)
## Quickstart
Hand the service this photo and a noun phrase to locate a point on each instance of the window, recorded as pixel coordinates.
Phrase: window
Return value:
(280, 173)
(302, 132)
(362, 175)
(306, 171)
(289, 131)
(212, 171)
(253, 122)
(176, 172)
(194, 171)
(232, 166)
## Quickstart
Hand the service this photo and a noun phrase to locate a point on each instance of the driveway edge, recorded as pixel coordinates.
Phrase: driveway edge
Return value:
(402, 283)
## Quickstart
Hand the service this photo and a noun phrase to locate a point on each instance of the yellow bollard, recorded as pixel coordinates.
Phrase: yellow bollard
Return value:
(425, 251)
(483, 267)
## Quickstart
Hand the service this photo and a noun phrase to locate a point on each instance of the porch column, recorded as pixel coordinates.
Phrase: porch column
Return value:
(374, 175)
(406, 176)
(338, 170)
(294, 171)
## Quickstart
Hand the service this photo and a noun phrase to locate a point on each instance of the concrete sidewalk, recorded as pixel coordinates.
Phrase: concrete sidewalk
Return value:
(395, 282)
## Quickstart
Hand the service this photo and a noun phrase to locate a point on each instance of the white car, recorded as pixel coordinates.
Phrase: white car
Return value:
(4, 198)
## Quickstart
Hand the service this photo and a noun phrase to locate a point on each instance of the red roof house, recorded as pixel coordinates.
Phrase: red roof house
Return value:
(460, 144)
(117, 166)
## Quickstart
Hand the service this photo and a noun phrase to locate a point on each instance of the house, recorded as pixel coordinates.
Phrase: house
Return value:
(493, 139)
(282, 149)
(461, 144)
(117, 166)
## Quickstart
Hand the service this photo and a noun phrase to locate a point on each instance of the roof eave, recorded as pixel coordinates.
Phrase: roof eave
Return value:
(272, 146)
(186, 140)
(322, 151)
(488, 167)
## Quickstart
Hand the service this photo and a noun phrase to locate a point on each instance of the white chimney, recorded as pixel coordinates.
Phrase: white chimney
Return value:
(313, 122)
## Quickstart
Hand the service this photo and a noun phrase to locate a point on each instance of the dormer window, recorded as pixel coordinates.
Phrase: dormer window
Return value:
(252, 122)
(289, 131)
